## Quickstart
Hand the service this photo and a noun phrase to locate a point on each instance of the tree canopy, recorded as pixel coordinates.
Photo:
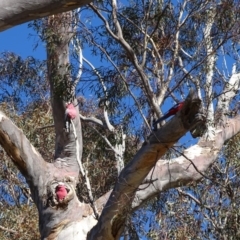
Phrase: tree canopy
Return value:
(123, 65)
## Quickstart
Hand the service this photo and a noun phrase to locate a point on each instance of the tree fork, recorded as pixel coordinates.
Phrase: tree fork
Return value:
(112, 219)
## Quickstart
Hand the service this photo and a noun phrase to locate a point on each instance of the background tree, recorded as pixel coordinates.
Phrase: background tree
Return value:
(152, 52)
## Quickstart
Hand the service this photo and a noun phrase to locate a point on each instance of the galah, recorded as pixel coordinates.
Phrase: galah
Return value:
(172, 111)
(61, 192)
(70, 114)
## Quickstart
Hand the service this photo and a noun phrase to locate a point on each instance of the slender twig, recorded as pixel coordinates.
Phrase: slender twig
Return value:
(105, 112)
(7, 229)
(47, 126)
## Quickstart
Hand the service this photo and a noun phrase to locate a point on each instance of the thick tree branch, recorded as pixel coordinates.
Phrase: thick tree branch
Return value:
(14, 12)
(19, 149)
(112, 220)
(93, 120)
(105, 112)
(189, 167)
(210, 71)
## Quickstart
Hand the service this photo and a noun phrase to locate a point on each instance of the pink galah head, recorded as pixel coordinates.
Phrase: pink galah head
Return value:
(70, 111)
(61, 192)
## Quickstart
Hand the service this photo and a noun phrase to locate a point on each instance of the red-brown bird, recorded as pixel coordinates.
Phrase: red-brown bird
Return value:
(172, 111)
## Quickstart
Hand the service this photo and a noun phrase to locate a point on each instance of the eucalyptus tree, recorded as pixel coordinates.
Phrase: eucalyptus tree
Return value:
(151, 54)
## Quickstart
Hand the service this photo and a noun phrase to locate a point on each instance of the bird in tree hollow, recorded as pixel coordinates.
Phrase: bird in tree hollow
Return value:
(61, 192)
(172, 111)
(70, 114)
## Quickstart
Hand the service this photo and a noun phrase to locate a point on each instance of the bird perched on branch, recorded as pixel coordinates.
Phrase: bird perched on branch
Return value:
(70, 114)
(172, 111)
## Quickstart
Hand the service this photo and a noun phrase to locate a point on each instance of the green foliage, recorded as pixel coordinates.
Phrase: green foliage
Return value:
(21, 80)
(16, 223)
(23, 94)
(168, 54)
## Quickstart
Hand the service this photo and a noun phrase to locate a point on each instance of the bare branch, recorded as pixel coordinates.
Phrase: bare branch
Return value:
(19, 149)
(190, 196)
(105, 112)
(92, 119)
(78, 49)
(7, 229)
(78, 157)
(106, 140)
(231, 87)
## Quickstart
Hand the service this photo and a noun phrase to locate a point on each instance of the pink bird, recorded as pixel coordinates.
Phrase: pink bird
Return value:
(70, 114)
(70, 111)
(61, 192)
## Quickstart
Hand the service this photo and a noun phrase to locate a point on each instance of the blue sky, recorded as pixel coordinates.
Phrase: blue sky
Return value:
(21, 40)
